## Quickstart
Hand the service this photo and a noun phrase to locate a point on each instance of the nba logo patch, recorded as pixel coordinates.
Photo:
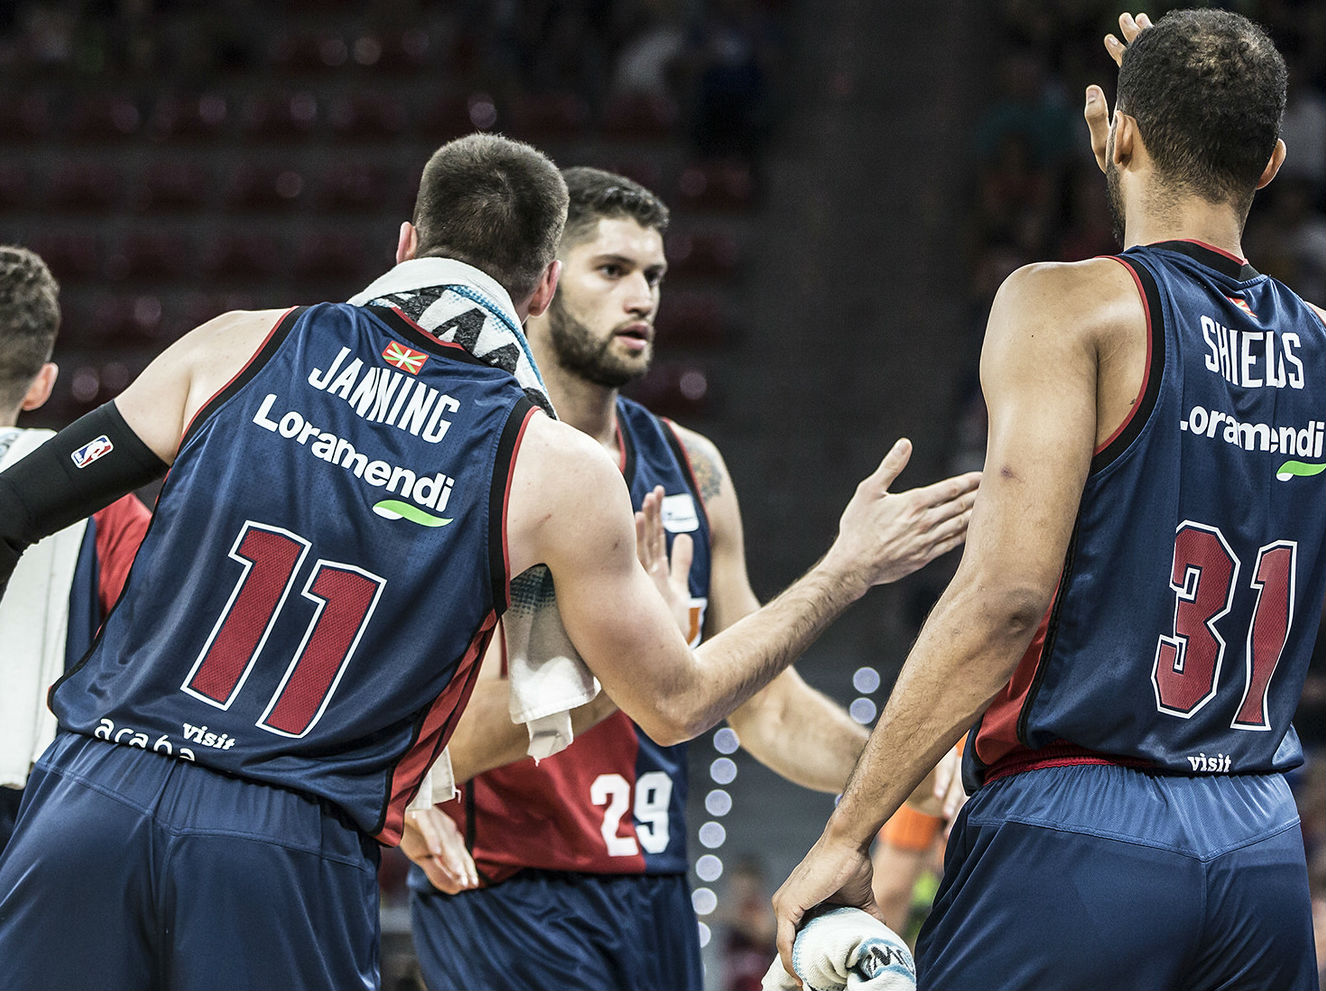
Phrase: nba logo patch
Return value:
(406, 359)
(91, 451)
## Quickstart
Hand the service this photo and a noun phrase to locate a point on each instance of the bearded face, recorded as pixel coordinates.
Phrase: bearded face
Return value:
(591, 355)
(600, 325)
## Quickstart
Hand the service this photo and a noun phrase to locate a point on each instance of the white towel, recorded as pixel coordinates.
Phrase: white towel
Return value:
(846, 948)
(34, 625)
(548, 678)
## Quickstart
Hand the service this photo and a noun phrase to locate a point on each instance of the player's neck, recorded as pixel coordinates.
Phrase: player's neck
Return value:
(1189, 219)
(585, 405)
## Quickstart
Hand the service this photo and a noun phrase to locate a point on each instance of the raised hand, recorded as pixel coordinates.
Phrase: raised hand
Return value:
(651, 547)
(884, 536)
(1130, 27)
(1097, 112)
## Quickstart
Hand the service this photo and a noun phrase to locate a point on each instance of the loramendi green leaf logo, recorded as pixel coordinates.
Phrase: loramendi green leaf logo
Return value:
(1300, 468)
(395, 509)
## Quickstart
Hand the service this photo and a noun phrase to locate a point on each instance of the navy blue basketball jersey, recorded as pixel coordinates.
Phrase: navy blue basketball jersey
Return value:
(325, 567)
(614, 801)
(1180, 632)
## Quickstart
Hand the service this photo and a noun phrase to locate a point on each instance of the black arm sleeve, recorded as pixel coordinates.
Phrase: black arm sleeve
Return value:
(86, 466)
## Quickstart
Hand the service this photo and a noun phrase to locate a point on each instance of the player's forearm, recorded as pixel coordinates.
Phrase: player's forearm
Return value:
(487, 738)
(83, 468)
(750, 653)
(800, 734)
(964, 655)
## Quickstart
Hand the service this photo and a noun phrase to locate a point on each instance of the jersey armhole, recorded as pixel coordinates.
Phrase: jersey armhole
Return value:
(499, 493)
(1149, 391)
(271, 343)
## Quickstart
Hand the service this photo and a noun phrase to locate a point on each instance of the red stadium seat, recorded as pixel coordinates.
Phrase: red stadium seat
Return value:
(702, 255)
(691, 321)
(85, 187)
(196, 117)
(367, 117)
(265, 188)
(279, 117)
(637, 116)
(545, 116)
(173, 185)
(674, 388)
(239, 257)
(716, 186)
(101, 118)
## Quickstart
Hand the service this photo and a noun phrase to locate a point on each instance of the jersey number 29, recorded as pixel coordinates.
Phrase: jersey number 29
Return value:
(653, 794)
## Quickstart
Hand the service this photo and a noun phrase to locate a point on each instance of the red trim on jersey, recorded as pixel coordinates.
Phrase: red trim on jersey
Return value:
(1061, 754)
(119, 530)
(429, 334)
(506, 497)
(690, 469)
(1146, 373)
(1210, 247)
(621, 446)
(435, 731)
(998, 735)
(256, 351)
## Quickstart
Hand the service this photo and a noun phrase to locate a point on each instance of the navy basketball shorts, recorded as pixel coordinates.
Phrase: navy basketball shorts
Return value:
(132, 869)
(1100, 876)
(546, 929)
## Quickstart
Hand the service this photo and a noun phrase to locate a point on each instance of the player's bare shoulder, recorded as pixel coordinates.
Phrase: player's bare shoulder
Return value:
(706, 463)
(165, 397)
(565, 490)
(1095, 301)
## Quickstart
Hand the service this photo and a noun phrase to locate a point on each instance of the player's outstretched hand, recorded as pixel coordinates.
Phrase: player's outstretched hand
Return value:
(671, 577)
(433, 842)
(1097, 112)
(833, 873)
(884, 536)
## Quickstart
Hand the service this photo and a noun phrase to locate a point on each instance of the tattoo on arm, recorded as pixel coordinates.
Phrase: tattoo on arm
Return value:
(705, 466)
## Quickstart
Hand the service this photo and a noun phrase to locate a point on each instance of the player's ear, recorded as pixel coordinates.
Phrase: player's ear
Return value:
(543, 294)
(1273, 166)
(407, 242)
(40, 389)
(1126, 140)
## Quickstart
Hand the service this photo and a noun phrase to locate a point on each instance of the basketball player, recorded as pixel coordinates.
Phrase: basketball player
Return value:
(351, 488)
(66, 584)
(1130, 626)
(592, 841)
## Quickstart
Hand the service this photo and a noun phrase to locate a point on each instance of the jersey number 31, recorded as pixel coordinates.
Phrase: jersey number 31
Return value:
(1205, 580)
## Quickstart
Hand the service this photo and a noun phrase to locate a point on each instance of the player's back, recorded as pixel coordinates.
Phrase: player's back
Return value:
(1180, 633)
(325, 565)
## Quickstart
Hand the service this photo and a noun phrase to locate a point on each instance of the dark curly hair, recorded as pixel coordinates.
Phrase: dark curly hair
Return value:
(29, 320)
(1207, 89)
(595, 194)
